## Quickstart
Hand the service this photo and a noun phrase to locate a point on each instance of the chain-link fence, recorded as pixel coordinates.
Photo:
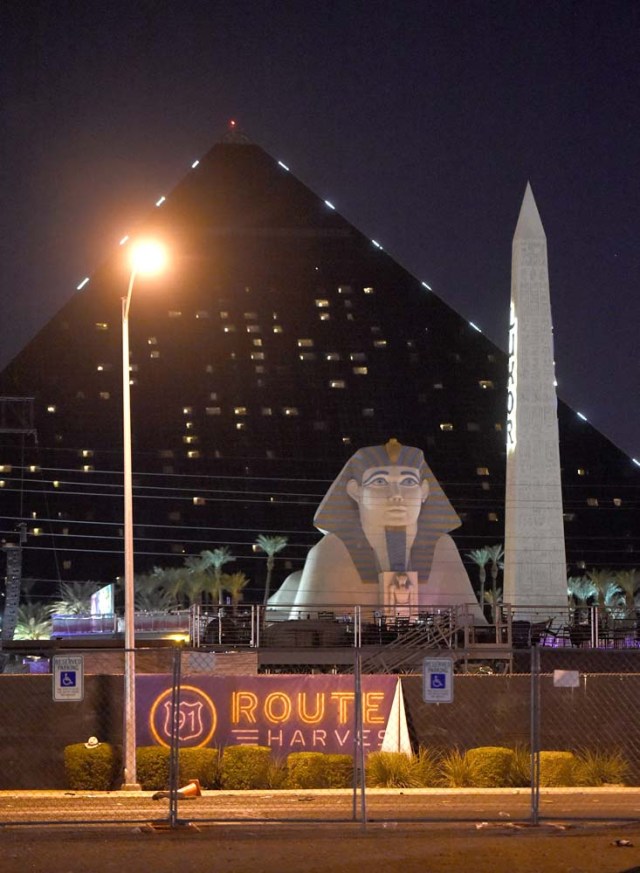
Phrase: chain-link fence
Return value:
(215, 741)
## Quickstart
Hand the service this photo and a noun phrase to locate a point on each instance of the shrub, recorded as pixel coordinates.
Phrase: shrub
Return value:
(94, 769)
(427, 768)
(201, 764)
(391, 770)
(492, 766)
(152, 764)
(457, 770)
(593, 767)
(557, 768)
(245, 767)
(319, 770)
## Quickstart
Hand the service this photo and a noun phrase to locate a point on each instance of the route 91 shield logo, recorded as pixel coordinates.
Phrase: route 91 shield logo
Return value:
(197, 717)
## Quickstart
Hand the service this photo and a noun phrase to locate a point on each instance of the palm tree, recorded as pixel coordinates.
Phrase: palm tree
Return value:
(270, 546)
(34, 622)
(496, 553)
(481, 557)
(494, 599)
(216, 558)
(627, 582)
(603, 582)
(234, 583)
(581, 589)
(75, 598)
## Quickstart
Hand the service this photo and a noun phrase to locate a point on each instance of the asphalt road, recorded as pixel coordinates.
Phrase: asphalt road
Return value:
(381, 806)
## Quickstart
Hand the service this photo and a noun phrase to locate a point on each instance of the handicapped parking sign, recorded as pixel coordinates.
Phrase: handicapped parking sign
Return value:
(437, 680)
(68, 677)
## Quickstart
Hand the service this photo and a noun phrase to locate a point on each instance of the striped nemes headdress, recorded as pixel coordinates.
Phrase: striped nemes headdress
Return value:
(340, 515)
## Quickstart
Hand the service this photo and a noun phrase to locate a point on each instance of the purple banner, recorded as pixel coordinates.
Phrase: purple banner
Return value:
(289, 713)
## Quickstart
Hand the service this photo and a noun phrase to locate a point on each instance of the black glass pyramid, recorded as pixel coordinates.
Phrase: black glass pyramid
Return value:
(280, 341)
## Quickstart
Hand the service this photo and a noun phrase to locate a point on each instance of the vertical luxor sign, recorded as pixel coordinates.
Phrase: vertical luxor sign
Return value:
(512, 382)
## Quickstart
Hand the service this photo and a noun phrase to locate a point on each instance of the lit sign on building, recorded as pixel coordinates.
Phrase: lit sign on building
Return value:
(512, 382)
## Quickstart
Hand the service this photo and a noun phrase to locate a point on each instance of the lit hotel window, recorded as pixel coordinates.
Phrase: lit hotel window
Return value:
(346, 441)
(357, 356)
(105, 395)
(102, 325)
(175, 313)
(322, 304)
(305, 343)
(251, 316)
(51, 408)
(3, 483)
(257, 356)
(87, 468)
(254, 328)
(492, 516)
(617, 501)
(485, 384)
(165, 453)
(325, 316)
(213, 410)
(152, 341)
(187, 410)
(337, 383)
(66, 565)
(103, 368)
(473, 426)
(497, 425)
(190, 439)
(369, 290)
(581, 471)
(482, 471)
(188, 425)
(33, 468)
(569, 516)
(194, 453)
(345, 289)
(241, 425)
(177, 548)
(592, 501)
(277, 328)
(56, 483)
(86, 453)
(438, 386)
(199, 501)
(266, 410)
(239, 410)
(368, 413)
(209, 368)
(36, 531)
(332, 356)
(446, 425)
(380, 344)
(360, 371)
(224, 315)
(155, 354)
(257, 343)
(307, 356)
(290, 410)
(486, 486)
(202, 313)
(229, 328)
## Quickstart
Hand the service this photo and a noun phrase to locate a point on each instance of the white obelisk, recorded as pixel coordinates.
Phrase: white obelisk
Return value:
(535, 563)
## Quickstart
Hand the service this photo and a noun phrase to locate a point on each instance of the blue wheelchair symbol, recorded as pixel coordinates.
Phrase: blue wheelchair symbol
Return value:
(68, 678)
(439, 681)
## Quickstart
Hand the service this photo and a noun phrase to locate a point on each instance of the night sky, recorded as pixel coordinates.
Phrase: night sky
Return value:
(421, 121)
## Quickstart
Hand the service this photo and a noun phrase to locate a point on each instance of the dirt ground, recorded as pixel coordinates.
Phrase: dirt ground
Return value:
(463, 848)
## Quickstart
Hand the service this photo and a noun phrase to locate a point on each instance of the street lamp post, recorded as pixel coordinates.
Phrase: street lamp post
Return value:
(147, 257)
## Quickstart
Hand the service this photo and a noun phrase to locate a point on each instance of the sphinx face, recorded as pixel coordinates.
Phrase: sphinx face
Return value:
(389, 496)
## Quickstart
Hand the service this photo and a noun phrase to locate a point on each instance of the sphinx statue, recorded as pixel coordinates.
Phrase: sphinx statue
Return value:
(386, 543)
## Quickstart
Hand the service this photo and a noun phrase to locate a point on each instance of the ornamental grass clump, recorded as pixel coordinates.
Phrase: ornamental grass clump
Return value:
(391, 770)
(594, 767)
(457, 770)
(520, 775)
(492, 766)
(427, 768)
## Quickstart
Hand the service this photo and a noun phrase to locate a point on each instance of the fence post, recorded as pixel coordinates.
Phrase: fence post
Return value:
(535, 734)
(174, 758)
